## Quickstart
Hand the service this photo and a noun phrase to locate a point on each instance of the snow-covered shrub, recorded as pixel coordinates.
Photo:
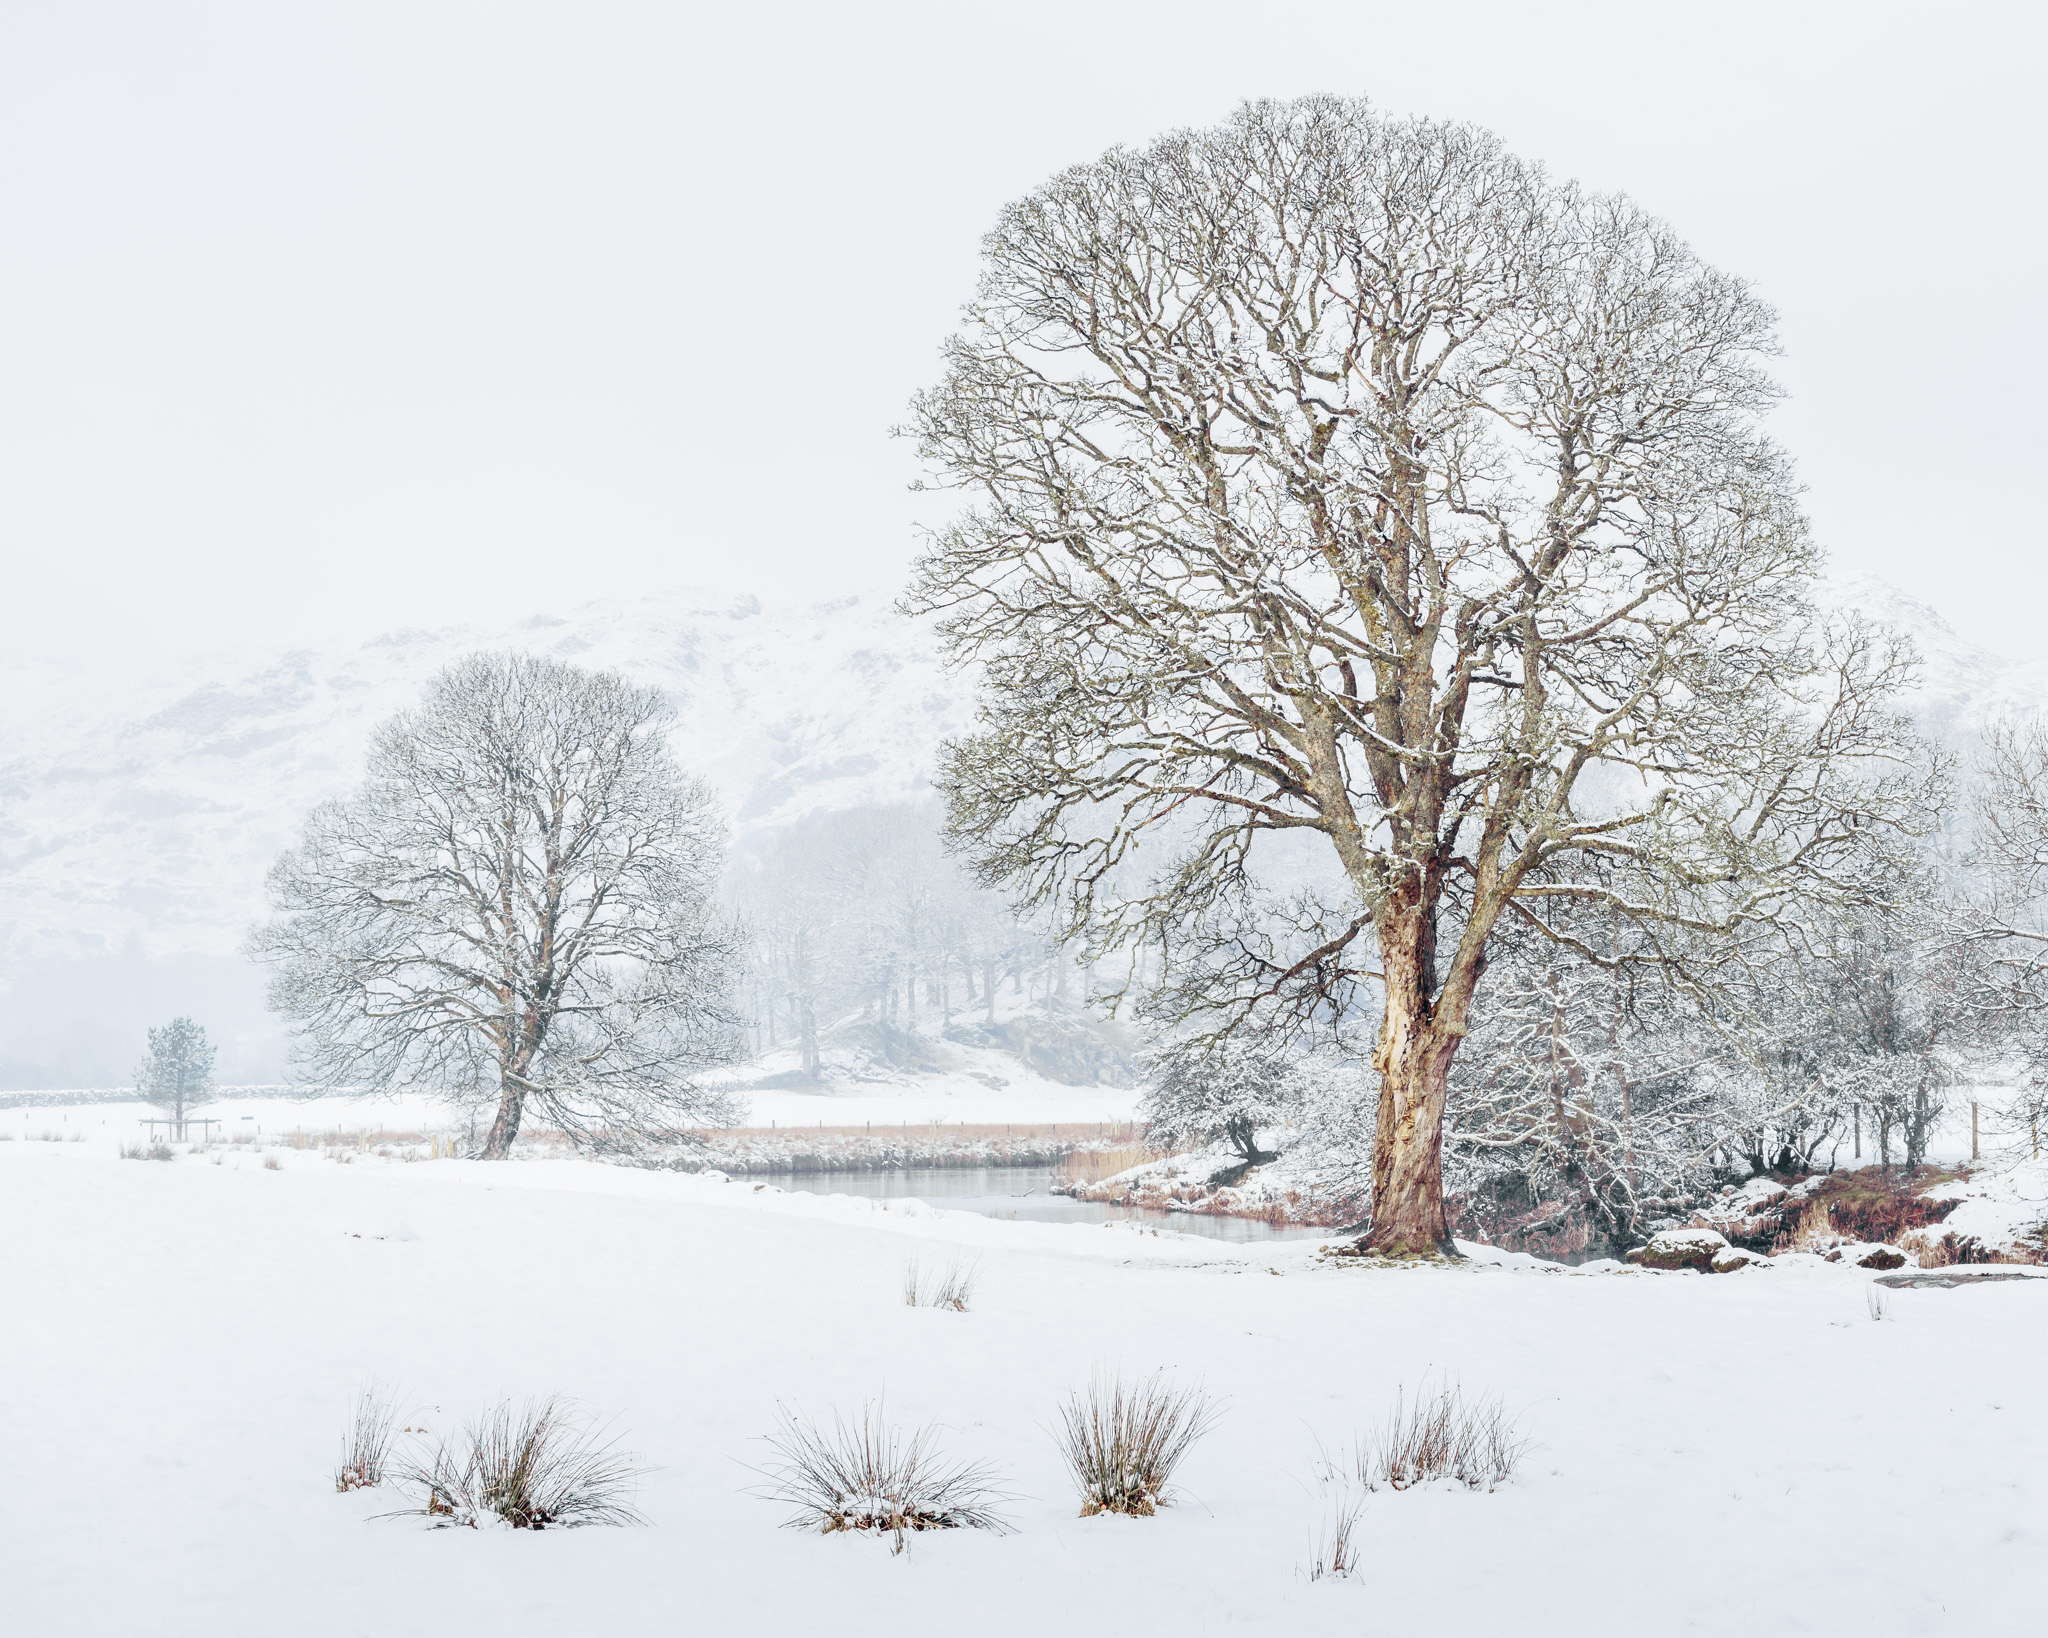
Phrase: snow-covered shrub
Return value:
(539, 1466)
(1442, 1436)
(1222, 1092)
(863, 1474)
(1122, 1441)
(950, 1287)
(366, 1446)
(1584, 1105)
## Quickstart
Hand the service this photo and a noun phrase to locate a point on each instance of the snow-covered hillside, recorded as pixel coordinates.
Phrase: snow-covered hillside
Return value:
(1962, 686)
(137, 821)
(157, 811)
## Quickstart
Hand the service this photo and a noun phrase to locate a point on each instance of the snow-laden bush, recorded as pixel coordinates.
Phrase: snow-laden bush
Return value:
(863, 1474)
(541, 1466)
(1123, 1441)
(1223, 1092)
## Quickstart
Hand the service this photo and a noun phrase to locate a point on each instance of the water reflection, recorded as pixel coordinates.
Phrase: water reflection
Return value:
(1022, 1193)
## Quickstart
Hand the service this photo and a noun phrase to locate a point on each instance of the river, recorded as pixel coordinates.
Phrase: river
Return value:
(1022, 1194)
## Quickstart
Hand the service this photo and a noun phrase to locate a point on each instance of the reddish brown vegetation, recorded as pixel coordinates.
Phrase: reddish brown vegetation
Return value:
(1868, 1204)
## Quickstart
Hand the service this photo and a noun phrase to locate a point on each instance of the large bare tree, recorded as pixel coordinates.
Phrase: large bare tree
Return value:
(1344, 476)
(515, 909)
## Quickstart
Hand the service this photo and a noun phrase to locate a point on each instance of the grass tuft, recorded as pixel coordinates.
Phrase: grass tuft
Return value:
(1122, 1441)
(366, 1446)
(951, 1287)
(540, 1466)
(1442, 1436)
(862, 1474)
(1336, 1549)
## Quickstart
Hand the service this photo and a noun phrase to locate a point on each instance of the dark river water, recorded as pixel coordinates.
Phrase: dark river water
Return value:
(1021, 1193)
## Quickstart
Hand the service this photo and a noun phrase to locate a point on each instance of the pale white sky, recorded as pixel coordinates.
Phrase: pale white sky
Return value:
(320, 320)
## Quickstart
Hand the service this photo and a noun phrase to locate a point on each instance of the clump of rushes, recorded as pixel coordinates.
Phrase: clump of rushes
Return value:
(862, 1474)
(366, 1447)
(1441, 1436)
(1122, 1441)
(536, 1467)
(952, 1287)
(1336, 1548)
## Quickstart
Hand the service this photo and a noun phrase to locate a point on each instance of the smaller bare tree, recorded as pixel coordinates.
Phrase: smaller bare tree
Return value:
(516, 906)
(176, 1074)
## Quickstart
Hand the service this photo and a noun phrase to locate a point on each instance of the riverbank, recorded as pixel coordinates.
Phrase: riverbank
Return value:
(823, 1150)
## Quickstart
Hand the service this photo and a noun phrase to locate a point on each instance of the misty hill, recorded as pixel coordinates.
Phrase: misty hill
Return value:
(136, 822)
(1962, 686)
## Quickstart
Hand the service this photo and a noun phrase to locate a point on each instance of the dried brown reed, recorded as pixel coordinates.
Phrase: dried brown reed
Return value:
(1122, 1441)
(863, 1474)
(1085, 1168)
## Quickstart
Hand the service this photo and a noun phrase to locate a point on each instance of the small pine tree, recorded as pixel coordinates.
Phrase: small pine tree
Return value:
(176, 1074)
(1227, 1091)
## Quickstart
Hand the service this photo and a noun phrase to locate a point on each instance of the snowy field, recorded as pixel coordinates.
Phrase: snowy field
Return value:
(915, 1102)
(1718, 1454)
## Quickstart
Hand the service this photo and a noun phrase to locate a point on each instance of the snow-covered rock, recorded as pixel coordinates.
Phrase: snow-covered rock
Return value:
(1754, 1211)
(1862, 1254)
(1694, 1248)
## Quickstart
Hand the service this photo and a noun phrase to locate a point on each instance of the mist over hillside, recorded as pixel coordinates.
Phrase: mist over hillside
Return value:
(137, 820)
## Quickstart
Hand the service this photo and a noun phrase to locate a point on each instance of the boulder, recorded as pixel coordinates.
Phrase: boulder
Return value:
(1864, 1255)
(1693, 1248)
(1730, 1259)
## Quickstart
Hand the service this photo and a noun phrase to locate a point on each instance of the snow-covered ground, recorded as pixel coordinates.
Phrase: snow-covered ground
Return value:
(1721, 1453)
(949, 1099)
